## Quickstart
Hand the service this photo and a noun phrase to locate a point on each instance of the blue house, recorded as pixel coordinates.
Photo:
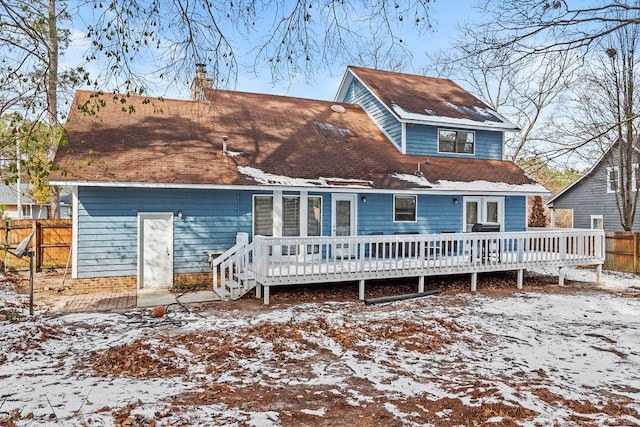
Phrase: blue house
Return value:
(159, 184)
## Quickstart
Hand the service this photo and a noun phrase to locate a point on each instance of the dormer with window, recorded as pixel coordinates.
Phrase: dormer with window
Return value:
(427, 116)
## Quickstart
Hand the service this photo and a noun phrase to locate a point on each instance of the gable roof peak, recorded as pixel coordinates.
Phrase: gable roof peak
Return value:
(429, 100)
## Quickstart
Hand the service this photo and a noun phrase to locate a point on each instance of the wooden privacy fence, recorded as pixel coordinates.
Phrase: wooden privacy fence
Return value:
(51, 243)
(622, 251)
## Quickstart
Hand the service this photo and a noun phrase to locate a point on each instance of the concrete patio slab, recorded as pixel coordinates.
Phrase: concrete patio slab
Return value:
(153, 297)
(198, 296)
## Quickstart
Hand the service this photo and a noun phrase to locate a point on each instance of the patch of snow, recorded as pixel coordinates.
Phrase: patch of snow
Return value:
(234, 153)
(480, 185)
(271, 179)
(317, 412)
(497, 121)
(579, 346)
(610, 279)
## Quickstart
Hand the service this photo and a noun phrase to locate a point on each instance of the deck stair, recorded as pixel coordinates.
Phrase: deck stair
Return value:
(233, 274)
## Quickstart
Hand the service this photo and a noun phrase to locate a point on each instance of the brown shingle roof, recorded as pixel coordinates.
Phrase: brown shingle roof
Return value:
(428, 98)
(180, 142)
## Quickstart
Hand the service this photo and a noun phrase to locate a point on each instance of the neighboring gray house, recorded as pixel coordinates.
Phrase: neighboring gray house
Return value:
(9, 203)
(29, 208)
(592, 198)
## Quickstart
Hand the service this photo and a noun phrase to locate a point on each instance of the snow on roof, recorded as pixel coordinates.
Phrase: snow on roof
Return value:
(271, 179)
(490, 120)
(471, 186)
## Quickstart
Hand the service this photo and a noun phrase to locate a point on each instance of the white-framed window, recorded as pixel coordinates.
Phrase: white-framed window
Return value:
(27, 211)
(456, 141)
(613, 179)
(597, 222)
(290, 216)
(287, 215)
(405, 208)
(262, 215)
(636, 178)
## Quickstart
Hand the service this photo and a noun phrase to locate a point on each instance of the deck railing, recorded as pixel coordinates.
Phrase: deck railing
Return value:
(298, 260)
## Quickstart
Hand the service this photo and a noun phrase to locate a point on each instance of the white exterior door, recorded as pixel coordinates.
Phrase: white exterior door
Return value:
(155, 250)
(343, 221)
(483, 209)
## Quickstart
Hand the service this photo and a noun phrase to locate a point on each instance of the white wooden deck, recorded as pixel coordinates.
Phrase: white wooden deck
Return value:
(274, 261)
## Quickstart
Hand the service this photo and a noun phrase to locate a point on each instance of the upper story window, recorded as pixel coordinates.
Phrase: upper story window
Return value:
(405, 208)
(613, 179)
(456, 141)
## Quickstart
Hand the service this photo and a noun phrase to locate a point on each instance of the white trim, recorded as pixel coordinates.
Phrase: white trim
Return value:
(393, 212)
(304, 210)
(267, 188)
(74, 232)
(508, 127)
(403, 138)
(277, 213)
(592, 217)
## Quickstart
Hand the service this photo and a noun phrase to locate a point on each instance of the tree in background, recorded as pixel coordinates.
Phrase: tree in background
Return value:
(604, 35)
(532, 27)
(537, 214)
(134, 42)
(523, 90)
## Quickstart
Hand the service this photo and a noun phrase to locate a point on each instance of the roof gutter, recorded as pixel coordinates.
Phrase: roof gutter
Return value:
(324, 189)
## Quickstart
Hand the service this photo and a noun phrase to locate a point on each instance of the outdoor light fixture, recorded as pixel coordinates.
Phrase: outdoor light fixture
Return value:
(363, 199)
(180, 214)
(455, 200)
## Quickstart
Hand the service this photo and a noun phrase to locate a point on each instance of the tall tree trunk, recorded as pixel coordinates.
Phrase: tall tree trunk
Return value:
(52, 101)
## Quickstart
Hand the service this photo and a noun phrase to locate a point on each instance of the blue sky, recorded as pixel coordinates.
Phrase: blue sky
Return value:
(446, 14)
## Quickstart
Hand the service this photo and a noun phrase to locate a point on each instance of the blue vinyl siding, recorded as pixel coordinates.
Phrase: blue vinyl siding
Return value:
(422, 140)
(435, 215)
(358, 94)
(108, 223)
(108, 226)
(515, 213)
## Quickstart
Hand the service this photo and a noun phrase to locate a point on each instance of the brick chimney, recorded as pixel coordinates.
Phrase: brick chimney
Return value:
(200, 83)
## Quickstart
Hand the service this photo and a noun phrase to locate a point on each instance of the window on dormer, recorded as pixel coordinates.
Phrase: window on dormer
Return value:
(456, 141)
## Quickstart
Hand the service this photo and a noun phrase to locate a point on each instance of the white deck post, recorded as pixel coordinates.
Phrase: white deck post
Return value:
(258, 290)
(421, 284)
(599, 274)
(266, 295)
(474, 282)
(520, 278)
(560, 277)
(361, 290)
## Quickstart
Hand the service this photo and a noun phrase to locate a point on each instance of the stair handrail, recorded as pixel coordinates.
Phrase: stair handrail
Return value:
(242, 241)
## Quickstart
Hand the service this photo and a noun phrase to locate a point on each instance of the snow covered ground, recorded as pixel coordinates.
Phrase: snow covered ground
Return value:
(568, 358)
